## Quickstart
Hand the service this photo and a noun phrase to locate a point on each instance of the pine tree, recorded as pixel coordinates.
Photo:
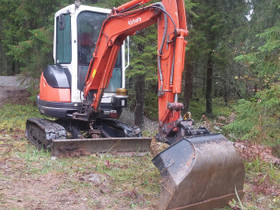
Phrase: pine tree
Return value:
(262, 46)
(214, 34)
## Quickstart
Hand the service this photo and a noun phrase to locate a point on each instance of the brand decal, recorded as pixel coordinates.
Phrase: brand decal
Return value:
(134, 21)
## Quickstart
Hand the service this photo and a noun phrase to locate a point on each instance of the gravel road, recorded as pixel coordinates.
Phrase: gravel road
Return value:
(9, 81)
(9, 85)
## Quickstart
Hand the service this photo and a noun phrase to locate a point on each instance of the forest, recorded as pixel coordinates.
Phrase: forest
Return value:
(231, 85)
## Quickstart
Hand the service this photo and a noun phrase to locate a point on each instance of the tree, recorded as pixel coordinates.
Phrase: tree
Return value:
(26, 40)
(143, 72)
(262, 46)
(207, 24)
(214, 33)
(9, 33)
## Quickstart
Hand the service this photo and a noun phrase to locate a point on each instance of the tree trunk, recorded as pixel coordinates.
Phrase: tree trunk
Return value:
(140, 97)
(203, 85)
(225, 93)
(235, 89)
(13, 68)
(188, 86)
(208, 91)
(3, 61)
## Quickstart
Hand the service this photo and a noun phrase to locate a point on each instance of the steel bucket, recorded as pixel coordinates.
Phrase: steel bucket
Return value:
(203, 172)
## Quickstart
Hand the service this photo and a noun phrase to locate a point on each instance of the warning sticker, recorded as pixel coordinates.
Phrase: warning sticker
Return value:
(93, 73)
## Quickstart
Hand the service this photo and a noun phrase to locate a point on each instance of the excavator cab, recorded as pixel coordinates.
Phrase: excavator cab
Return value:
(76, 31)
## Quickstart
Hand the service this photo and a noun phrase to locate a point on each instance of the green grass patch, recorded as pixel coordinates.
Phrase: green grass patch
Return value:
(15, 116)
(197, 108)
(133, 182)
(258, 168)
(262, 185)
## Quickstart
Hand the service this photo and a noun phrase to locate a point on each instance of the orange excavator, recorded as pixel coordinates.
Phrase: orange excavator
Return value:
(199, 170)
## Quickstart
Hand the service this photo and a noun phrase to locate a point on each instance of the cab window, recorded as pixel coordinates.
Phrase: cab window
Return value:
(63, 39)
(89, 26)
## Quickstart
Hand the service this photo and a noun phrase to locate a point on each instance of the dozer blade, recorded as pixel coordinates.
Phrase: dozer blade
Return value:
(137, 146)
(202, 172)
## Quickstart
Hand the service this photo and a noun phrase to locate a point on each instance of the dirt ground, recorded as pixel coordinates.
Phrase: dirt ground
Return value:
(30, 179)
(11, 90)
(19, 190)
(33, 180)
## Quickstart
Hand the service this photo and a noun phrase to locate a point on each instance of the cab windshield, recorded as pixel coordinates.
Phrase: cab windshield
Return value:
(89, 26)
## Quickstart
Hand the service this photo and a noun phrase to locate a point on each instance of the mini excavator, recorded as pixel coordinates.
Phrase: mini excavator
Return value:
(85, 92)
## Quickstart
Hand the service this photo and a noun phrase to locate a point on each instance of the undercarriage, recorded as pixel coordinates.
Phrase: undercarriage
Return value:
(67, 137)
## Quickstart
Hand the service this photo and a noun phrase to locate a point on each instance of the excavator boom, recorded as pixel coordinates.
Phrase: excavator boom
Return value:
(199, 170)
(171, 20)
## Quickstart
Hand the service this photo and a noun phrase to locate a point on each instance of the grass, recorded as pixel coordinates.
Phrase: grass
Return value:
(14, 116)
(136, 169)
(262, 185)
(129, 182)
(264, 170)
(126, 182)
(197, 108)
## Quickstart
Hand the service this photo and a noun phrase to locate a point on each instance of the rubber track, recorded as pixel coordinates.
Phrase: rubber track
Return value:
(50, 130)
(130, 131)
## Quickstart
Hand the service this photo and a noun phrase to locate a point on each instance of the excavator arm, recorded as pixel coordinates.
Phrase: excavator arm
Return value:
(122, 22)
(199, 170)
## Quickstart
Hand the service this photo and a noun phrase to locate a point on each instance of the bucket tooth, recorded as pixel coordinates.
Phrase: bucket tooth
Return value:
(202, 172)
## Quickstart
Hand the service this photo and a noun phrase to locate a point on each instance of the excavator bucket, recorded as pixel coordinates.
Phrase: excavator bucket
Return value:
(202, 172)
(128, 146)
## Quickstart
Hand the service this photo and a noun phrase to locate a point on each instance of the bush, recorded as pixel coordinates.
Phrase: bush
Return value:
(259, 118)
